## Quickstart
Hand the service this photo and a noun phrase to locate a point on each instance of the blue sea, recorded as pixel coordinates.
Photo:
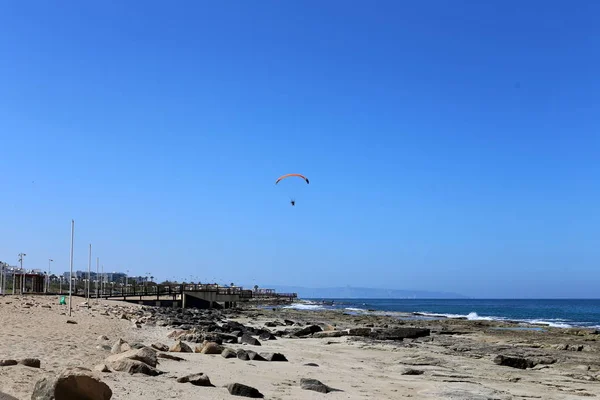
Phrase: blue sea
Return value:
(555, 313)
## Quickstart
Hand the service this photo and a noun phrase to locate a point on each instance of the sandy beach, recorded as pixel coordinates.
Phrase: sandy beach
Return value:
(457, 360)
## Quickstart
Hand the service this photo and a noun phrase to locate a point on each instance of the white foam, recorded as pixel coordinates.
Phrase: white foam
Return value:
(355, 309)
(301, 306)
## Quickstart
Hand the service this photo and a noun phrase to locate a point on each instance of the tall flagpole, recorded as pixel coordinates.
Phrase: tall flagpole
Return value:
(71, 264)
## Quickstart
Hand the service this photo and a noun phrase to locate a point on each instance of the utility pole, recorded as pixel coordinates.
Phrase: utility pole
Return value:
(21, 255)
(89, 274)
(97, 277)
(71, 265)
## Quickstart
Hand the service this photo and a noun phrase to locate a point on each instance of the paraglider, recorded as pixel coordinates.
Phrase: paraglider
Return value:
(292, 201)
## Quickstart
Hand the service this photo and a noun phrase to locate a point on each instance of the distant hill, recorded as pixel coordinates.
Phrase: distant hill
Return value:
(363, 293)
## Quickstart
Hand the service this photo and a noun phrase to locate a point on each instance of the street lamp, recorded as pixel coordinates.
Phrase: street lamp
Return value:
(21, 255)
(48, 278)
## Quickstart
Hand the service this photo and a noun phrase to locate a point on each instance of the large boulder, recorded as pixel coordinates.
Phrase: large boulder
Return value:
(238, 389)
(210, 348)
(4, 396)
(329, 334)
(359, 331)
(247, 339)
(72, 383)
(134, 367)
(31, 362)
(160, 346)
(307, 330)
(145, 355)
(228, 353)
(273, 356)
(181, 347)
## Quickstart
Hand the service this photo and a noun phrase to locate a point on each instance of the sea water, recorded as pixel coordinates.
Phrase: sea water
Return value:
(555, 313)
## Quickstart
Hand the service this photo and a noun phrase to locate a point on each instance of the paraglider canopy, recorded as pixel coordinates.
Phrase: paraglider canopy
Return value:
(290, 175)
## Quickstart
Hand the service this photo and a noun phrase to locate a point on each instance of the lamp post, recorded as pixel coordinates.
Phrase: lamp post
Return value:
(21, 255)
(48, 278)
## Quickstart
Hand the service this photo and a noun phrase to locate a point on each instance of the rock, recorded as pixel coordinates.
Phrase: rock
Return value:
(410, 371)
(228, 353)
(238, 389)
(145, 355)
(329, 334)
(31, 362)
(101, 368)
(8, 363)
(237, 333)
(160, 346)
(176, 334)
(137, 346)
(309, 330)
(134, 367)
(181, 347)
(271, 324)
(72, 383)
(254, 356)
(120, 346)
(102, 337)
(242, 355)
(273, 356)
(311, 365)
(514, 362)
(575, 347)
(247, 339)
(4, 396)
(210, 348)
(317, 386)
(359, 331)
(200, 379)
(267, 336)
(123, 316)
(104, 347)
(170, 357)
(70, 321)
(562, 346)
(400, 333)
(288, 322)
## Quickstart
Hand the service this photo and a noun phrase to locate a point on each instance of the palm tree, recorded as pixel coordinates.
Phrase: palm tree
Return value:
(256, 288)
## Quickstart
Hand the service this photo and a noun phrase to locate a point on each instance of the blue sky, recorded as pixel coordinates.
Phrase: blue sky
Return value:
(451, 145)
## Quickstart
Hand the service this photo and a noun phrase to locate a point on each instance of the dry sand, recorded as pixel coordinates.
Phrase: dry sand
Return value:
(361, 369)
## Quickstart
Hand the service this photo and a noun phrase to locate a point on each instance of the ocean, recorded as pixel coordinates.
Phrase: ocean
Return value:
(555, 313)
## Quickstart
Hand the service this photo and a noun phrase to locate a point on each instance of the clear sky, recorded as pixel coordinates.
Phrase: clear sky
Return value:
(451, 145)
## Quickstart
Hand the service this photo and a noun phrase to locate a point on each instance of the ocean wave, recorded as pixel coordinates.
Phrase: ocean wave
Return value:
(302, 306)
(473, 316)
(355, 309)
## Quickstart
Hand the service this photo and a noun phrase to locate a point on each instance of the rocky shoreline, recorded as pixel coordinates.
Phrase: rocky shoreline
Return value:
(287, 353)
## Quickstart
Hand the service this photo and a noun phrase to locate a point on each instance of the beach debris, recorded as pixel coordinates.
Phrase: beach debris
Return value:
(273, 356)
(181, 347)
(411, 371)
(134, 367)
(247, 339)
(72, 383)
(120, 346)
(160, 346)
(400, 333)
(514, 362)
(315, 385)
(31, 362)
(228, 353)
(101, 368)
(200, 379)
(238, 389)
(308, 330)
(170, 357)
(8, 363)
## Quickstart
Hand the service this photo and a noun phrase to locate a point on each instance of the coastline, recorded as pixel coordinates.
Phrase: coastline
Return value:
(457, 358)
